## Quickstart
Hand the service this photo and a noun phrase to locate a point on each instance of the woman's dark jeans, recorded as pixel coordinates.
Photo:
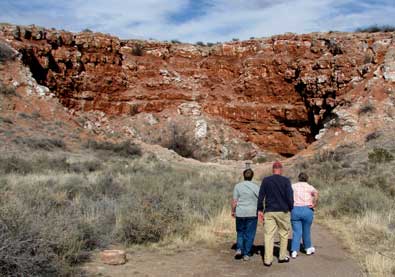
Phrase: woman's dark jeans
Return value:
(246, 229)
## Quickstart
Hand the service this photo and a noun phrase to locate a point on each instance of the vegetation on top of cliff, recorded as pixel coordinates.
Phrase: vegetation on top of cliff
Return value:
(376, 29)
(175, 41)
(137, 50)
(87, 31)
(209, 44)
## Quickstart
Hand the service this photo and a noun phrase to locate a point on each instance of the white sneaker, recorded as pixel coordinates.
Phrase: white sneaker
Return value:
(294, 254)
(246, 258)
(310, 251)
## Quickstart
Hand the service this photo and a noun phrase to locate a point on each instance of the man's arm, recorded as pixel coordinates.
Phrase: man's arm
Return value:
(261, 197)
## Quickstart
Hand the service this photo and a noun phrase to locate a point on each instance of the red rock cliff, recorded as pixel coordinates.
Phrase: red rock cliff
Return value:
(276, 90)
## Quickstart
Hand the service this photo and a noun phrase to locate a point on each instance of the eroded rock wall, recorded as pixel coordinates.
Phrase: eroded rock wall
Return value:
(276, 90)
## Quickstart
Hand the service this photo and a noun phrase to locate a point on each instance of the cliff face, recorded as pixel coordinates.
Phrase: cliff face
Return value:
(278, 91)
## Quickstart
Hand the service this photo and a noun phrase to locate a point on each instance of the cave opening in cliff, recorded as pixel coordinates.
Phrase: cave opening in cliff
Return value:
(37, 70)
(317, 116)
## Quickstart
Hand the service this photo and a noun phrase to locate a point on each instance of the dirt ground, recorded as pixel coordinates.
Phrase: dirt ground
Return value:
(330, 259)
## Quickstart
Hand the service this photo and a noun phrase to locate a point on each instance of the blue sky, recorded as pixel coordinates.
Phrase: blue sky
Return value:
(199, 20)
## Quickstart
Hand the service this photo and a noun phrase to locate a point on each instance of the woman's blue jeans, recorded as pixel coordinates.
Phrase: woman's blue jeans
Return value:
(246, 229)
(301, 220)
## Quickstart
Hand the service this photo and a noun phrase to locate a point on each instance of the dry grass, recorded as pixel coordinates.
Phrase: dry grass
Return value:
(379, 265)
(369, 238)
(357, 200)
(222, 226)
(219, 228)
(90, 200)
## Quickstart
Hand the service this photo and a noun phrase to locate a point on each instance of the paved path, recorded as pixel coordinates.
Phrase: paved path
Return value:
(330, 260)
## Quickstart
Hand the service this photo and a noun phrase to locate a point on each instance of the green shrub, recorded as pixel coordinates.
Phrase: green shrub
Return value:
(137, 50)
(14, 164)
(380, 155)
(72, 186)
(376, 28)
(6, 53)
(367, 108)
(106, 185)
(47, 144)
(7, 90)
(175, 41)
(86, 30)
(23, 251)
(38, 164)
(353, 200)
(124, 149)
(326, 155)
(261, 159)
(72, 237)
(25, 116)
(379, 180)
(200, 43)
(154, 217)
(85, 166)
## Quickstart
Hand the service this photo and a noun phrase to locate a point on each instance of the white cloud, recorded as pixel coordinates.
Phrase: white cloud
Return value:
(220, 20)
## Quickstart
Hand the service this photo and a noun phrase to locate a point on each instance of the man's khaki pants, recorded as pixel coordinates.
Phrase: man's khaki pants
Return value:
(274, 221)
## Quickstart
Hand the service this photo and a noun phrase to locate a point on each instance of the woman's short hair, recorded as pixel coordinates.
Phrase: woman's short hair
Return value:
(248, 174)
(303, 177)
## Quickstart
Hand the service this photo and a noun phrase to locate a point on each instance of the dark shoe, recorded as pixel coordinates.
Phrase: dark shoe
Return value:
(286, 260)
(268, 265)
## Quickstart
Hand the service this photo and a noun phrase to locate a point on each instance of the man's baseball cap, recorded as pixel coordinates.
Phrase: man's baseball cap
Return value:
(277, 164)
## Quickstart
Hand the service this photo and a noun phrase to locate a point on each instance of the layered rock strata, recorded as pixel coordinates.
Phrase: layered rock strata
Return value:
(278, 91)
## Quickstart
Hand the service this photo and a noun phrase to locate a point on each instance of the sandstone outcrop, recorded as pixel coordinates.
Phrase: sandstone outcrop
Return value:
(278, 92)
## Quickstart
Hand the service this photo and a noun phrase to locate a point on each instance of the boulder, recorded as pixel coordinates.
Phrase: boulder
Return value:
(113, 257)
